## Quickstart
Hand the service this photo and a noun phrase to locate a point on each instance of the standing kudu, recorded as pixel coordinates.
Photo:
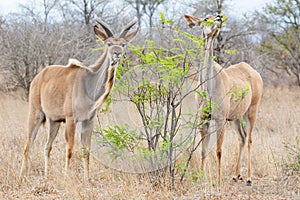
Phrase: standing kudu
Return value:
(236, 91)
(72, 94)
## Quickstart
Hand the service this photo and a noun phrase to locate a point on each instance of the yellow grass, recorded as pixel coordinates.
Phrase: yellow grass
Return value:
(278, 121)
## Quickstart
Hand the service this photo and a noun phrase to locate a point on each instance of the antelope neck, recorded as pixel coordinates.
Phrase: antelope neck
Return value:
(101, 78)
(209, 71)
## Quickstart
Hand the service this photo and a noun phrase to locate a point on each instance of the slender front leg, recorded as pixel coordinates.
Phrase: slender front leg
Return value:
(86, 134)
(220, 138)
(205, 140)
(249, 181)
(69, 133)
(53, 130)
(252, 113)
(242, 137)
(36, 118)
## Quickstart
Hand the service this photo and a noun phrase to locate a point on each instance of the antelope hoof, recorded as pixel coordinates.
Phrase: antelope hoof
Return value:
(234, 179)
(239, 177)
(249, 183)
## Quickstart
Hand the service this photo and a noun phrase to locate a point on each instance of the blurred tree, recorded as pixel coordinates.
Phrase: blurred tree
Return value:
(147, 7)
(207, 7)
(48, 5)
(27, 47)
(80, 11)
(37, 37)
(87, 8)
(47, 32)
(38, 10)
(236, 42)
(280, 22)
(52, 31)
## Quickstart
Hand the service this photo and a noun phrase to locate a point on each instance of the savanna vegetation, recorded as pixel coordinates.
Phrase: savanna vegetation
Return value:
(155, 90)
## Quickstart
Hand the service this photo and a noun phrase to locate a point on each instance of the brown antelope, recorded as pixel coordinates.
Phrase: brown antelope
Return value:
(223, 87)
(72, 94)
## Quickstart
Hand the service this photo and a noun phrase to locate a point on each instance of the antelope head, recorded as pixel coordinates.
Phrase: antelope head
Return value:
(211, 24)
(115, 44)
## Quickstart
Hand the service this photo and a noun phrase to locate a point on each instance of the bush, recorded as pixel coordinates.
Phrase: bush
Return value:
(292, 164)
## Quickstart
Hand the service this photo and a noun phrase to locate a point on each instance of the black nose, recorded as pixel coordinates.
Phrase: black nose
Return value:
(117, 53)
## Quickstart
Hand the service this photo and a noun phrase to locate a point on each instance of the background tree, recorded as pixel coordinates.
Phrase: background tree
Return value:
(86, 9)
(67, 21)
(146, 7)
(280, 24)
(38, 36)
(27, 48)
(48, 5)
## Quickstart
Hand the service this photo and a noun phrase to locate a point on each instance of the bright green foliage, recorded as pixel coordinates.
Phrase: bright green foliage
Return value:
(165, 21)
(243, 92)
(165, 61)
(293, 161)
(209, 108)
(106, 109)
(147, 91)
(208, 22)
(197, 41)
(120, 137)
(242, 122)
(224, 18)
(240, 94)
(157, 81)
(230, 52)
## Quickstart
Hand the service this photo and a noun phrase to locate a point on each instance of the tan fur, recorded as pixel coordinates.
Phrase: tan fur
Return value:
(224, 86)
(71, 94)
(108, 86)
(74, 62)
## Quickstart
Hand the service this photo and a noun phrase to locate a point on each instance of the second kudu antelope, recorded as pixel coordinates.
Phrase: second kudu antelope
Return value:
(72, 94)
(224, 88)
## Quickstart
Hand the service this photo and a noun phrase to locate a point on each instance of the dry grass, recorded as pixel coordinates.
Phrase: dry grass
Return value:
(278, 121)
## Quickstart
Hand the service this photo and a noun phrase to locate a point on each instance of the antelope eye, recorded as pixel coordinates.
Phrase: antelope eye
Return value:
(123, 45)
(109, 44)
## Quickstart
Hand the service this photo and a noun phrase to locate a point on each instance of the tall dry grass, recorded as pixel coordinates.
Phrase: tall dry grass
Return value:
(278, 121)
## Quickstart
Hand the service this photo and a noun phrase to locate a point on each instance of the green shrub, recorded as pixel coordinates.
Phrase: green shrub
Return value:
(292, 163)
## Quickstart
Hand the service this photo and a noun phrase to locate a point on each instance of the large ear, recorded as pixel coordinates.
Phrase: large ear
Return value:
(124, 32)
(131, 35)
(108, 32)
(100, 34)
(192, 20)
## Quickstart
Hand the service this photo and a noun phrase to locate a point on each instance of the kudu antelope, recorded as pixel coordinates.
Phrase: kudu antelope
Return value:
(223, 86)
(72, 94)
